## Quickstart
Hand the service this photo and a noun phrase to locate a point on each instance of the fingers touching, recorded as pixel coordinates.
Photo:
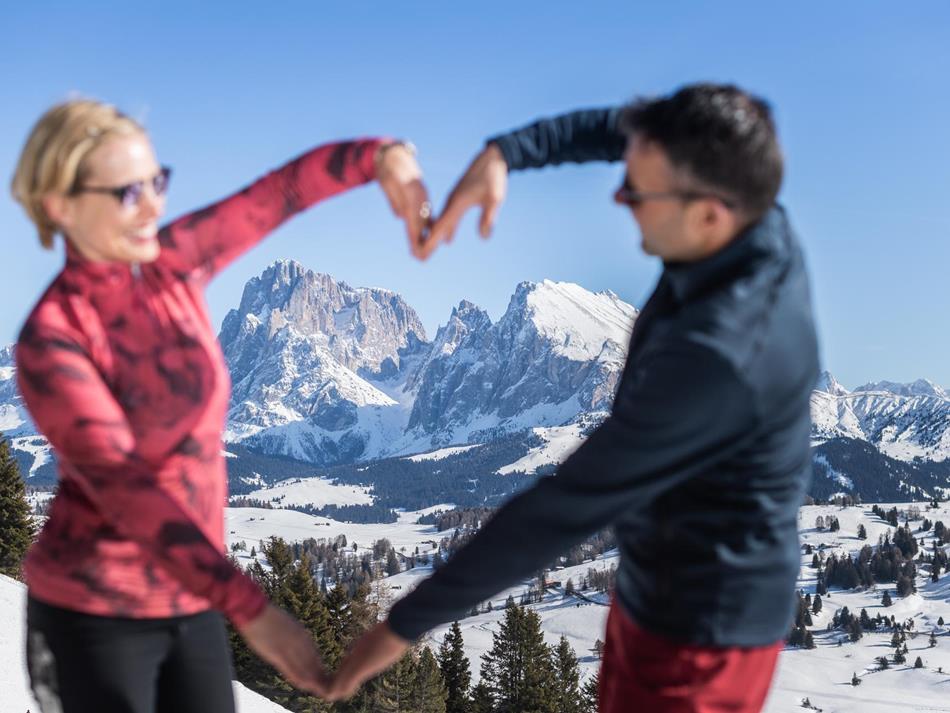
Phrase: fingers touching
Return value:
(484, 184)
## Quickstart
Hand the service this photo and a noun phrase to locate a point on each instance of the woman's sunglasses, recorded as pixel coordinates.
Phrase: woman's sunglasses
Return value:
(130, 194)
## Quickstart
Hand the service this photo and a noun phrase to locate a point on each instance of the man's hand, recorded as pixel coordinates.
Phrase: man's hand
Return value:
(400, 178)
(483, 184)
(283, 642)
(374, 652)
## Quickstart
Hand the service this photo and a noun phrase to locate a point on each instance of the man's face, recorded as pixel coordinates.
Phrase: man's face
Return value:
(673, 228)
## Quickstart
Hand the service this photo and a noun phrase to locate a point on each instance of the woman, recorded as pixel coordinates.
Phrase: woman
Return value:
(120, 370)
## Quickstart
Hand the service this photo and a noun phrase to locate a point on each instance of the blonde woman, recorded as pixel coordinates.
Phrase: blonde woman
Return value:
(120, 370)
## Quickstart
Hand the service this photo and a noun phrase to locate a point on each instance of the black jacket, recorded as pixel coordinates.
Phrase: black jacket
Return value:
(704, 461)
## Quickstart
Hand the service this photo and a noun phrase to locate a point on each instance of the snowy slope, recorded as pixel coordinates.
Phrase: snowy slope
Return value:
(822, 675)
(14, 683)
(312, 491)
(558, 444)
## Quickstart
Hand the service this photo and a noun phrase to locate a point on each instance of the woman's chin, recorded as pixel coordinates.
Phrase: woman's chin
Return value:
(142, 249)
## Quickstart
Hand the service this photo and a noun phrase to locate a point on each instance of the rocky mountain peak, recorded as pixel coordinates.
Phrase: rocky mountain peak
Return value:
(920, 387)
(829, 384)
(364, 329)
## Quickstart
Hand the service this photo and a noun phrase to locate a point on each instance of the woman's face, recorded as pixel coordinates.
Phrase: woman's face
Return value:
(103, 226)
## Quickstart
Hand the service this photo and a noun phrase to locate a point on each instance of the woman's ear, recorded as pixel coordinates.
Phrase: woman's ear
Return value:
(58, 208)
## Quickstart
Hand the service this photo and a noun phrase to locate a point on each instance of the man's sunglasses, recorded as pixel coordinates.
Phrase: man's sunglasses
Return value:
(628, 196)
(130, 194)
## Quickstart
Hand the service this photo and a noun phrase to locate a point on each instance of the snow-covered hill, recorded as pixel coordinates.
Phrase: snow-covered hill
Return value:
(15, 695)
(823, 675)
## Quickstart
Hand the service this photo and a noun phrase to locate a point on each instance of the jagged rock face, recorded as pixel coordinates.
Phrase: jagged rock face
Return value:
(555, 354)
(302, 350)
(362, 329)
(332, 374)
(329, 373)
(904, 421)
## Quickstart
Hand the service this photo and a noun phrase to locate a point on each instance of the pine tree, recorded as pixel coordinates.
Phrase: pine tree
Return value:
(598, 649)
(855, 681)
(933, 639)
(394, 688)
(862, 532)
(589, 693)
(918, 663)
(392, 563)
(568, 689)
(482, 699)
(886, 599)
(816, 604)
(456, 670)
(16, 521)
(428, 689)
(518, 668)
(340, 620)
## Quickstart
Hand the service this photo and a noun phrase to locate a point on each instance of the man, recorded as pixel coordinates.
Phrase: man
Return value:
(704, 460)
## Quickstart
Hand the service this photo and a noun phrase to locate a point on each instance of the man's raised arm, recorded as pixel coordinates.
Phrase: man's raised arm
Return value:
(576, 137)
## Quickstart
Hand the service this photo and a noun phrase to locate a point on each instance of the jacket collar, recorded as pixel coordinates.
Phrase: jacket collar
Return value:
(86, 273)
(762, 241)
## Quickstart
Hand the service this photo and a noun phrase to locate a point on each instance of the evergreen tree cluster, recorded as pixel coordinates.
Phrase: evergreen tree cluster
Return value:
(16, 521)
(889, 516)
(522, 673)
(941, 533)
(890, 562)
(459, 518)
(800, 635)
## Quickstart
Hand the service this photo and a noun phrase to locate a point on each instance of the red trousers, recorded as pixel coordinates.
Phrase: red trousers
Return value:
(649, 673)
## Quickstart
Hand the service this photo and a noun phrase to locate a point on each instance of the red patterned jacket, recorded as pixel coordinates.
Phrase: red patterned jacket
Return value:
(119, 368)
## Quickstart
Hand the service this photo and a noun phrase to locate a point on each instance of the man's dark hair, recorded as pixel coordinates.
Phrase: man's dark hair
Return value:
(718, 134)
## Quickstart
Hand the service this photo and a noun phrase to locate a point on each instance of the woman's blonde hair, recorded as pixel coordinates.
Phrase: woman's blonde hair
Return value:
(53, 157)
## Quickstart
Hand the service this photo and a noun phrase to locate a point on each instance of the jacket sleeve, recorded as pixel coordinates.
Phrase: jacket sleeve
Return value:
(576, 137)
(74, 408)
(673, 417)
(208, 239)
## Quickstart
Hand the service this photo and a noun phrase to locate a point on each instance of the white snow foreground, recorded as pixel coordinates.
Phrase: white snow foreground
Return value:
(822, 675)
(15, 696)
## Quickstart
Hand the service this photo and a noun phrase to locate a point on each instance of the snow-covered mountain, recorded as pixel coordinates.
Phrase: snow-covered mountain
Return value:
(903, 421)
(13, 418)
(333, 374)
(312, 359)
(555, 354)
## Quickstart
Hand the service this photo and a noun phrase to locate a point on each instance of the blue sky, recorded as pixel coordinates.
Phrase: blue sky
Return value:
(230, 90)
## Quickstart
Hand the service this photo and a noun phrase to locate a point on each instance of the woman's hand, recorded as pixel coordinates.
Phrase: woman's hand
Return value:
(400, 178)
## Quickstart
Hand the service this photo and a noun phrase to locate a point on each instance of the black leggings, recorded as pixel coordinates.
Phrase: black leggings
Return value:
(81, 663)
